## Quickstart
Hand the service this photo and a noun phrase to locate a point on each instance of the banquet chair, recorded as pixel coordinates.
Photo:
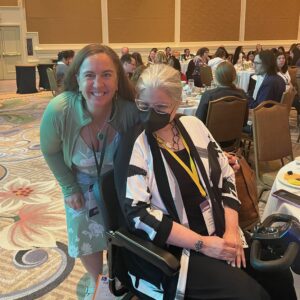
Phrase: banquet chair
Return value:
(293, 72)
(52, 81)
(121, 243)
(206, 75)
(272, 141)
(287, 98)
(225, 120)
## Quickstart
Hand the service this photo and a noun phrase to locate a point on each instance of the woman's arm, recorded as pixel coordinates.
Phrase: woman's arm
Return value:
(51, 147)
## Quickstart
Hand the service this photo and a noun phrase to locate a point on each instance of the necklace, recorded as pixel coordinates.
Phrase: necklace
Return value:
(175, 139)
(99, 130)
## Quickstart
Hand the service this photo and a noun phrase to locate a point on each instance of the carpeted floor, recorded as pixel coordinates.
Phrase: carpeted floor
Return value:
(31, 207)
(31, 210)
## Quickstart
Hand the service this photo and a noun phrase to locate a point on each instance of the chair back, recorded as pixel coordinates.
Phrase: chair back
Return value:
(293, 72)
(52, 81)
(206, 75)
(288, 98)
(271, 134)
(298, 81)
(225, 119)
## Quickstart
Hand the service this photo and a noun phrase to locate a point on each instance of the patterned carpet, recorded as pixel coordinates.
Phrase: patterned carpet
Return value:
(33, 241)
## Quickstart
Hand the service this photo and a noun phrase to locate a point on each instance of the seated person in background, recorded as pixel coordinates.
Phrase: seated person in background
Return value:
(177, 190)
(250, 57)
(151, 56)
(160, 58)
(187, 54)
(219, 57)
(295, 57)
(168, 52)
(281, 50)
(269, 85)
(201, 59)
(225, 76)
(238, 56)
(140, 67)
(282, 67)
(129, 64)
(174, 61)
(124, 50)
(64, 60)
(258, 48)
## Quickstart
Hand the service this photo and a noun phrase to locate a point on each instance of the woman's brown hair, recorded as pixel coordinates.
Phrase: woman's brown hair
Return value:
(125, 89)
(225, 74)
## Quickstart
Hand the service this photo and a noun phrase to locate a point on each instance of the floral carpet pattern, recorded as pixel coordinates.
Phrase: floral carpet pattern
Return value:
(34, 262)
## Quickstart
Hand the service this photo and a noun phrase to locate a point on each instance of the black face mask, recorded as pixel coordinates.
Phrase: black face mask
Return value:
(154, 121)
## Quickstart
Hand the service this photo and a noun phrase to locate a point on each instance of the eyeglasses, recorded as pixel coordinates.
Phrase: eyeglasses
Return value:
(160, 108)
(257, 63)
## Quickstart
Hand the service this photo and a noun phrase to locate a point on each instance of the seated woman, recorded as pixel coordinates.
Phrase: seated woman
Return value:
(177, 190)
(283, 71)
(225, 76)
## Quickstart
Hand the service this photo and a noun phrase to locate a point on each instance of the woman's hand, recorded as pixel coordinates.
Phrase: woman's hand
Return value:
(233, 161)
(218, 248)
(75, 201)
(233, 237)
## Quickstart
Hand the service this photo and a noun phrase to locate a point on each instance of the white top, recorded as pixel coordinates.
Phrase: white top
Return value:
(213, 63)
(287, 79)
(259, 81)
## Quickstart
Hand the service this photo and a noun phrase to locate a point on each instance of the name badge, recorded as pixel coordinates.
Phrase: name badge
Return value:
(208, 217)
(91, 203)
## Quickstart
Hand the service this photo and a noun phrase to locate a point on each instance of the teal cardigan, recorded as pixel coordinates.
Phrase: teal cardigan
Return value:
(61, 123)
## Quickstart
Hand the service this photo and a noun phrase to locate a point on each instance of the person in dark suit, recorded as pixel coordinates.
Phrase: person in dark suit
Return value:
(225, 77)
(269, 85)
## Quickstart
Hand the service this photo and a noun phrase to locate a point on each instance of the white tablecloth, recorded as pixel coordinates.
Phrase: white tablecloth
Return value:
(188, 110)
(243, 79)
(275, 205)
(184, 65)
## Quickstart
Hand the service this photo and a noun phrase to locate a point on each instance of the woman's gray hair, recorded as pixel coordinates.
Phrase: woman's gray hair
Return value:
(160, 76)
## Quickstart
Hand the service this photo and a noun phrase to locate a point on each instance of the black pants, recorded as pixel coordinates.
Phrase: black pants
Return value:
(210, 278)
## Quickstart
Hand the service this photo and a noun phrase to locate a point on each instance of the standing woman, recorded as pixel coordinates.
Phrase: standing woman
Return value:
(77, 126)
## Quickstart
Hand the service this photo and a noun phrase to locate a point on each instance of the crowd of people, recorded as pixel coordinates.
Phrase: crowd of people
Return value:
(175, 185)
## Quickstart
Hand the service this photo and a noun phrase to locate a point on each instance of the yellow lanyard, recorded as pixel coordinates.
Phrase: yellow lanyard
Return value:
(191, 172)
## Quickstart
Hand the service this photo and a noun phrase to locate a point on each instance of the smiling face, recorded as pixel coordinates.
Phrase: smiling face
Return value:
(97, 81)
(280, 61)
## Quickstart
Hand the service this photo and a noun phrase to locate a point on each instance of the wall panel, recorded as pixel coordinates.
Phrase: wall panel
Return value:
(65, 21)
(8, 2)
(136, 21)
(212, 20)
(272, 19)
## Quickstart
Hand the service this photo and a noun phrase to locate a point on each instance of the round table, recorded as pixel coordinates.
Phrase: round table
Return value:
(243, 79)
(187, 109)
(275, 205)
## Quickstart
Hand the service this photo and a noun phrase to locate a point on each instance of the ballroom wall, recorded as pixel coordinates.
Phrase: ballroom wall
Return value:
(151, 21)
(142, 24)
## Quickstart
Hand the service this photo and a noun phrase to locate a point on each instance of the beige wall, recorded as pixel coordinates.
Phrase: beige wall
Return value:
(212, 20)
(65, 21)
(137, 21)
(272, 19)
(179, 23)
(8, 2)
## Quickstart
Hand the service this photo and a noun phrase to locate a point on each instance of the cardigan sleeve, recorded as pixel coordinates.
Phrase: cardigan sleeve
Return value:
(143, 219)
(51, 146)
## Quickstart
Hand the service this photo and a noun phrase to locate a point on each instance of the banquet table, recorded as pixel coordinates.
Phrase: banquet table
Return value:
(44, 82)
(243, 79)
(190, 108)
(26, 79)
(275, 205)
